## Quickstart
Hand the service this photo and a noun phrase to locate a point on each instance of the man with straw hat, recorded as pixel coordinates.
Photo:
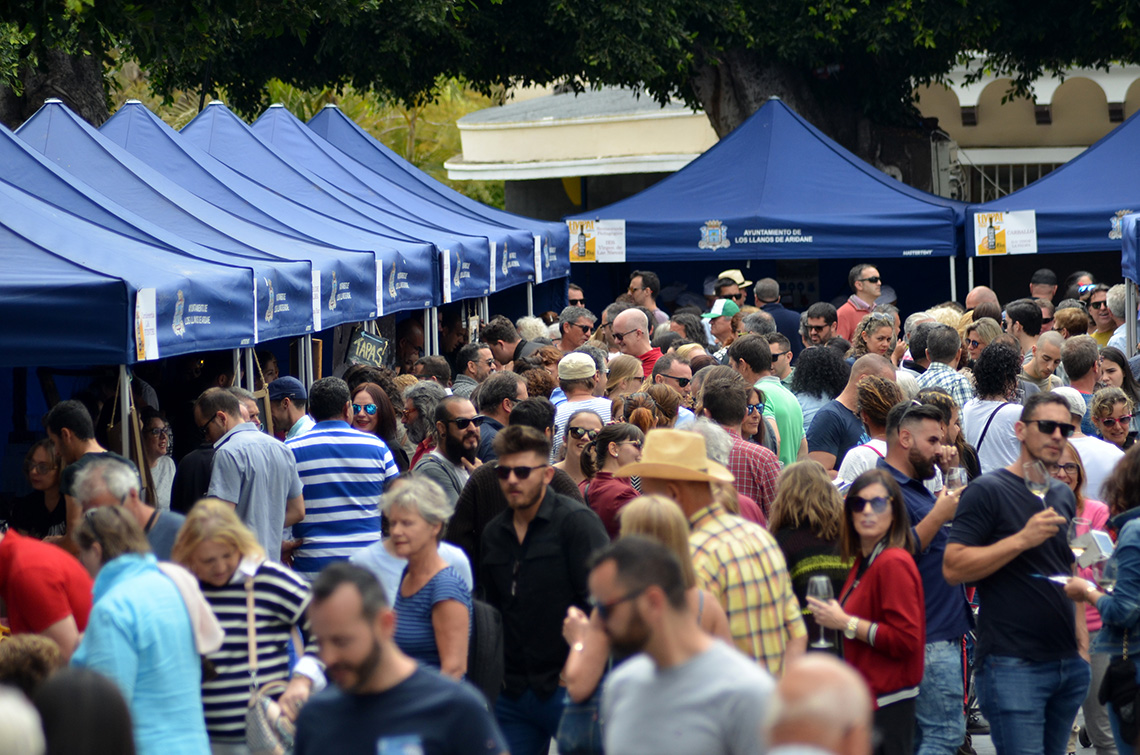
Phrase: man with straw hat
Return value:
(735, 560)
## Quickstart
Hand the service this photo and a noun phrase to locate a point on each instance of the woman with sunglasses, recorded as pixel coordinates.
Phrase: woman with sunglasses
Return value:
(614, 447)
(1115, 372)
(875, 334)
(980, 334)
(880, 610)
(581, 430)
(1070, 471)
(756, 427)
(372, 413)
(1111, 414)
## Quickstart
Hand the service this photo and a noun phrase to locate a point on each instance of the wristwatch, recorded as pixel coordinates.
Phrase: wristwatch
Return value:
(852, 628)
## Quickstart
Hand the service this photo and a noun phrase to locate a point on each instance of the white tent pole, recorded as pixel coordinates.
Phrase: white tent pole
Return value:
(953, 282)
(124, 410)
(970, 272)
(530, 299)
(434, 331)
(1130, 313)
(237, 366)
(249, 373)
(428, 314)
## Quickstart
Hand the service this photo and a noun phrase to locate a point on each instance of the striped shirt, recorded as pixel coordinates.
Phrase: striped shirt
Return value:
(279, 601)
(343, 471)
(415, 634)
(741, 564)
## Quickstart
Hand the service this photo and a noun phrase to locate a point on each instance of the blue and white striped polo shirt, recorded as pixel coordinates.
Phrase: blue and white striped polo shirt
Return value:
(344, 471)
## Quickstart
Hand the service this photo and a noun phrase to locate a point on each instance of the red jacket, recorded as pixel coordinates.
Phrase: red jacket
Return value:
(889, 593)
(606, 495)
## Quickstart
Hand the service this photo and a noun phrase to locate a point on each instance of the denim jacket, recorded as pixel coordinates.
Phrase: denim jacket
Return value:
(1120, 611)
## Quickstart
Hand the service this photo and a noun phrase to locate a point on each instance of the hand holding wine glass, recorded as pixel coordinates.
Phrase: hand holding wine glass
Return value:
(956, 478)
(1037, 479)
(1077, 535)
(819, 588)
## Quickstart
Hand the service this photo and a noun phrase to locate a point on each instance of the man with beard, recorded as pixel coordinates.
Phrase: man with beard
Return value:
(914, 447)
(383, 700)
(1031, 676)
(450, 464)
(420, 401)
(686, 693)
(533, 568)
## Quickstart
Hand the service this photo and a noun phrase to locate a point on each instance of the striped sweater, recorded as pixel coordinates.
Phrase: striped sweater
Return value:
(280, 599)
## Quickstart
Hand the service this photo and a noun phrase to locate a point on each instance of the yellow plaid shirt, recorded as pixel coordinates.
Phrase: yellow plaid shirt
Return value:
(741, 564)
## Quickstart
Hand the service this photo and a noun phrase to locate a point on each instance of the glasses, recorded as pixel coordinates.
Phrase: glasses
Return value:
(755, 408)
(463, 422)
(1046, 320)
(1086, 287)
(872, 279)
(205, 425)
(734, 297)
(633, 290)
(577, 302)
(1049, 427)
(635, 443)
(779, 354)
(369, 409)
(1110, 421)
(973, 343)
(881, 316)
(619, 336)
(490, 362)
(586, 329)
(157, 431)
(41, 468)
(681, 381)
(1098, 304)
(581, 432)
(504, 473)
(605, 609)
(814, 328)
(856, 504)
(1069, 469)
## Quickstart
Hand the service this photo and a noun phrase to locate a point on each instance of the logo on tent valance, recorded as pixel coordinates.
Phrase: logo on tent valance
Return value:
(1117, 223)
(714, 235)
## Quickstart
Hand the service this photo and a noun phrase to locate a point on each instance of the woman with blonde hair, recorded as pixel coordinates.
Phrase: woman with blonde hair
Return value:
(875, 334)
(657, 517)
(689, 350)
(231, 566)
(1111, 413)
(625, 376)
(667, 400)
(805, 520)
(979, 335)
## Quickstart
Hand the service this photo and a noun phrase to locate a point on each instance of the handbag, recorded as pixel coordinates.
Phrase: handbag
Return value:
(1119, 687)
(268, 731)
(580, 728)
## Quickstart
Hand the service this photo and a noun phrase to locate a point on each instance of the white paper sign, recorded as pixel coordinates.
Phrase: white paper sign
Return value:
(317, 301)
(146, 325)
(609, 241)
(494, 265)
(538, 260)
(1005, 233)
(446, 276)
(379, 288)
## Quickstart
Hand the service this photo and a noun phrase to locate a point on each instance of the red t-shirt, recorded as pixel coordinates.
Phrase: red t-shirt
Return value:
(41, 584)
(648, 359)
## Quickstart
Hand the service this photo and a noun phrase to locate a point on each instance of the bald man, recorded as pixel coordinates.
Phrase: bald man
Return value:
(821, 705)
(632, 335)
(980, 294)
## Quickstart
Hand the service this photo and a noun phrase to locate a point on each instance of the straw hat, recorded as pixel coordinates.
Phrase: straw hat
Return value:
(736, 276)
(675, 455)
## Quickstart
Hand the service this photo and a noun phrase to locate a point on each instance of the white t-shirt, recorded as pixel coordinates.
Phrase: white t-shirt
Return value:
(1099, 457)
(567, 409)
(1000, 447)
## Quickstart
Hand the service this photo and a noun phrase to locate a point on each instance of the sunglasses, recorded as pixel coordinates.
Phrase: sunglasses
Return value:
(1097, 304)
(581, 432)
(1046, 320)
(577, 302)
(754, 408)
(814, 328)
(973, 343)
(463, 422)
(681, 381)
(1086, 287)
(856, 504)
(779, 354)
(635, 443)
(1049, 427)
(605, 609)
(586, 329)
(619, 336)
(369, 409)
(733, 297)
(1110, 421)
(872, 279)
(521, 473)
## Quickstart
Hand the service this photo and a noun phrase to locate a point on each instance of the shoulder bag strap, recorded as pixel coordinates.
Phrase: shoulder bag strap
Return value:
(251, 633)
(986, 429)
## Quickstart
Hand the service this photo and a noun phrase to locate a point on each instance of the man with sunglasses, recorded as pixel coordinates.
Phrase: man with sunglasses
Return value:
(1101, 315)
(344, 472)
(728, 285)
(576, 324)
(819, 324)
(682, 692)
(644, 287)
(631, 334)
(455, 455)
(577, 298)
(676, 373)
(719, 319)
(1031, 676)
(476, 363)
(533, 568)
(866, 285)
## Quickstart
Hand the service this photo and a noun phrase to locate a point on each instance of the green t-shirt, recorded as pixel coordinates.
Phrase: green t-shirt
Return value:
(782, 405)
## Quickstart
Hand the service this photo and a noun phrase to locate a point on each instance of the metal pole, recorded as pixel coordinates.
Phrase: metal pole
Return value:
(953, 282)
(124, 410)
(530, 299)
(249, 373)
(428, 314)
(307, 361)
(434, 331)
(237, 366)
(970, 272)
(1130, 313)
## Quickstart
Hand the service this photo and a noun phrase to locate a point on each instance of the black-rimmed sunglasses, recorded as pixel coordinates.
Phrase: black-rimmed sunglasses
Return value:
(504, 473)
(463, 422)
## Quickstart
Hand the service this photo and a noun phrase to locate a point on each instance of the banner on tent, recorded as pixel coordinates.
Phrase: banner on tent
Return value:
(1005, 233)
(597, 240)
(146, 325)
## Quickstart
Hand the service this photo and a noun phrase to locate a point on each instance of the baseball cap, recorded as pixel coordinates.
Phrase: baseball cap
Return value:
(287, 387)
(722, 308)
(576, 366)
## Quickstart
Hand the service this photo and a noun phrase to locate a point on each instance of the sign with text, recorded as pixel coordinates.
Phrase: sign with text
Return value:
(582, 240)
(1005, 233)
(146, 325)
(366, 348)
(597, 240)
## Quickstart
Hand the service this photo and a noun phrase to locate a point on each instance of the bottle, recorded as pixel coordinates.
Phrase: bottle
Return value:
(582, 242)
(991, 236)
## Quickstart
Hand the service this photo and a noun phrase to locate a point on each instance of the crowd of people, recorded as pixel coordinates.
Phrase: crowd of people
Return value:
(735, 528)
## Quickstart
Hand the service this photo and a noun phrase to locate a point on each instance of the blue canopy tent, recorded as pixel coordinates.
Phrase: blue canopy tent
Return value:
(75, 147)
(283, 288)
(511, 250)
(778, 188)
(197, 306)
(464, 259)
(407, 270)
(343, 133)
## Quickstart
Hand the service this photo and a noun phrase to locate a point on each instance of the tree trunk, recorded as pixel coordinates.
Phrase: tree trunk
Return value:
(738, 83)
(75, 79)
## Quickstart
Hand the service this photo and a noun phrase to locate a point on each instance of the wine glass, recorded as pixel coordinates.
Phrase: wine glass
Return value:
(1036, 479)
(955, 478)
(819, 587)
(1105, 573)
(1078, 535)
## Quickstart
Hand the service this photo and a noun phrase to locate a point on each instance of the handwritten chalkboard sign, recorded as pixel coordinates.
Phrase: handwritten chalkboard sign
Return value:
(366, 348)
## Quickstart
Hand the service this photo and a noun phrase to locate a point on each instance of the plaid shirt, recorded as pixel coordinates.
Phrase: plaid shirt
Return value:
(741, 564)
(939, 375)
(755, 469)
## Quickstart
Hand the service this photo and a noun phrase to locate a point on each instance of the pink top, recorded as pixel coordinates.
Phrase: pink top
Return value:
(1097, 514)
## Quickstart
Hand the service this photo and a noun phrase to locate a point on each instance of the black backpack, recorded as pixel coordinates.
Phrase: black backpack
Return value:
(485, 664)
